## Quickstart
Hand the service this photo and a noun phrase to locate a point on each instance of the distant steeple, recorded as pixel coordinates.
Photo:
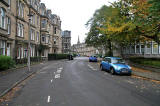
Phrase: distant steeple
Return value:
(78, 41)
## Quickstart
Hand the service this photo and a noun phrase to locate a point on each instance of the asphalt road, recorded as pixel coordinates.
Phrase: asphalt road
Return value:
(81, 83)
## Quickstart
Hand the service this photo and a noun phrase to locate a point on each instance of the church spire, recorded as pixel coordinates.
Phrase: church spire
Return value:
(78, 40)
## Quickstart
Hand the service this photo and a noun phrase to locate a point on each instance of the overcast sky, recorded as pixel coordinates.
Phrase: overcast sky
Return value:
(74, 14)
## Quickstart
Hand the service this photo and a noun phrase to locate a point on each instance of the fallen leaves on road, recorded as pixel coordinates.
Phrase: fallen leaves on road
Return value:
(138, 77)
(140, 70)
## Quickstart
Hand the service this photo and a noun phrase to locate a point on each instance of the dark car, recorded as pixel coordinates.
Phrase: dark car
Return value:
(92, 59)
(70, 57)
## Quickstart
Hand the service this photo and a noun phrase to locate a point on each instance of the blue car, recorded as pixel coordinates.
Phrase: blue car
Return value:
(115, 65)
(92, 59)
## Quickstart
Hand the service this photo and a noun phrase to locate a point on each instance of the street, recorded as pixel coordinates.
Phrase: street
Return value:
(81, 83)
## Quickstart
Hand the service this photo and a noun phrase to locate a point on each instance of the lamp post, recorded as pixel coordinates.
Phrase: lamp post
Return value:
(29, 41)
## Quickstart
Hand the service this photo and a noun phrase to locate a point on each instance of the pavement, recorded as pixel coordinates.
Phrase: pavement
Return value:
(10, 78)
(77, 83)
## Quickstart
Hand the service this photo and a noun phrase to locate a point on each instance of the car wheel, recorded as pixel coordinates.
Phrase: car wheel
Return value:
(101, 67)
(112, 71)
(129, 74)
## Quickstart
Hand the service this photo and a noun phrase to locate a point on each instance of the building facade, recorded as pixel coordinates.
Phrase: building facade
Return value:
(83, 50)
(21, 20)
(57, 39)
(147, 49)
(7, 27)
(66, 41)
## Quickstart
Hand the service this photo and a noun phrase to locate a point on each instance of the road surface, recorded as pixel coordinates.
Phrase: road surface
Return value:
(81, 83)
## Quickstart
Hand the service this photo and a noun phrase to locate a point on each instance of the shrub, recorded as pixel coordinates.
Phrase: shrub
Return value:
(57, 56)
(6, 62)
(154, 62)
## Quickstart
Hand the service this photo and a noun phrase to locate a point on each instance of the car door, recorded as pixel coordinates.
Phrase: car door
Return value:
(106, 63)
(109, 62)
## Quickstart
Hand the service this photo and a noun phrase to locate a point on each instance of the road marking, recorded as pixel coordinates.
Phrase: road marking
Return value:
(51, 80)
(57, 76)
(48, 100)
(94, 69)
(61, 68)
(130, 82)
(59, 71)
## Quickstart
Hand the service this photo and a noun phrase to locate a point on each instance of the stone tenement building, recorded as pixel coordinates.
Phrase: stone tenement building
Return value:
(66, 41)
(44, 29)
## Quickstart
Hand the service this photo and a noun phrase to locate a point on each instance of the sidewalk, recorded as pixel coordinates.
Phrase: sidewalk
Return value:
(146, 73)
(10, 78)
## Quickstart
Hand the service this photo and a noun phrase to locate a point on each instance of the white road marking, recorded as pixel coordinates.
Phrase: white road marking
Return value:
(61, 68)
(48, 100)
(59, 71)
(130, 82)
(57, 76)
(51, 80)
(94, 69)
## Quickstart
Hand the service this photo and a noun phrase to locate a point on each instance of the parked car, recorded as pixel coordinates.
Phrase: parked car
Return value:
(92, 59)
(115, 65)
(70, 57)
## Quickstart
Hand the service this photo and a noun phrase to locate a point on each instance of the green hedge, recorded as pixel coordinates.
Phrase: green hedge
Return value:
(154, 62)
(57, 56)
(6, 62)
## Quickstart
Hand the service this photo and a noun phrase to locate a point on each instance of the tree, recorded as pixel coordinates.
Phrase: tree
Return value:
(147, 18)
(96, 36)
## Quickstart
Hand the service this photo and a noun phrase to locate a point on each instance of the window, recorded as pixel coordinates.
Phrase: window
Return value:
(2, 47)
(55, 51)
(9, 25)
(2, 18)
(44, 23)
(148, 48)
(55, 30)
(37, 20)
(155, 48)
(20, 30)
(47, 39)
(33, 19)
(43, 38)
(54, 41)
(9, 3)
(32, 34)
(8, 49)
(37, 36)
(20, 9)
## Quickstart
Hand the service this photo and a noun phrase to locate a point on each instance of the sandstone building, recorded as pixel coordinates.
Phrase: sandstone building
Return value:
(16, 27)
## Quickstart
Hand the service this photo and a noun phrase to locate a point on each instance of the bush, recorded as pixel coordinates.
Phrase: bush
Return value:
(57, 56)
(6, 62)
(154, 62)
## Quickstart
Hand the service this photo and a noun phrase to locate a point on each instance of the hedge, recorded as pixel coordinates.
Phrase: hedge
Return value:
(57, 56)
(6, 62)
(154, 62)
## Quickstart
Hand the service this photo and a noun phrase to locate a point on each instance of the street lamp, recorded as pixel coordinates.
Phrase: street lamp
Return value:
(29, 41)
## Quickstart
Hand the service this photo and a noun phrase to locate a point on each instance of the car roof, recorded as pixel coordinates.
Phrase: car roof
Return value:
(113, 57)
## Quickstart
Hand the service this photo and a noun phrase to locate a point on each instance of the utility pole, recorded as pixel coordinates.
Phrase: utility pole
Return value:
(29, 40)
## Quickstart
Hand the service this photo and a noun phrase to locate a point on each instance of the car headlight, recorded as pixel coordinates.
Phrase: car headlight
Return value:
(129, 67)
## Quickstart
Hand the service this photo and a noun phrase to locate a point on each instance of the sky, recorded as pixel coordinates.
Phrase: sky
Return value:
(74, 14)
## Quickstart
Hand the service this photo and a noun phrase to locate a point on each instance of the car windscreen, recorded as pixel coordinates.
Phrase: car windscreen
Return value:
(116, 61)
